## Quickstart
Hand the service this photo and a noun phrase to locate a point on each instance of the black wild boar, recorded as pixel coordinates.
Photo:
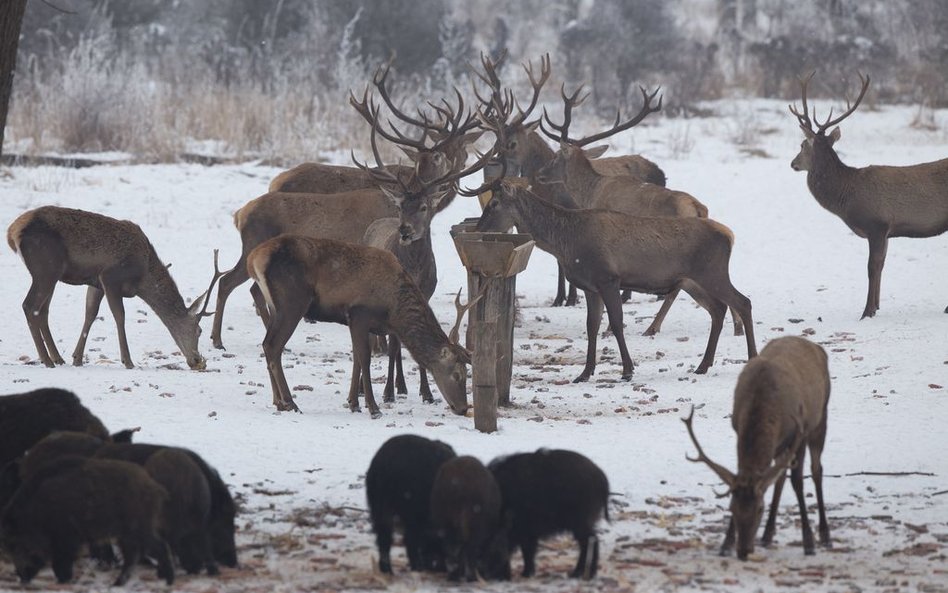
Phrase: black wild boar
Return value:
(466, 512)
(75, 500)
(548, 492)
(398, 484)
(25, 418)
(188, 526)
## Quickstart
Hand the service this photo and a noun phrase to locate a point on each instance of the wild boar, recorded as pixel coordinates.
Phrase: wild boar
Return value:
(25, 418)
(398, 484)
(466, 512)
(75, 500)
(548, 492)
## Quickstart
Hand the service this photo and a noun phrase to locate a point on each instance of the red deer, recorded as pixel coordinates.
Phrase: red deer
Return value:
(359, 286)
(875, 202)
(604, 251)
(779, 411)
(526, 152)
(345, 216)
(114, 259)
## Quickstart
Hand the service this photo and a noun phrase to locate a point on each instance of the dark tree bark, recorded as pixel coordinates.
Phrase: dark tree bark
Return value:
(11, 16)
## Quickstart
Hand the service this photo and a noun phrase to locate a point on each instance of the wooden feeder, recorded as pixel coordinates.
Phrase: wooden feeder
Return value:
(493, 261)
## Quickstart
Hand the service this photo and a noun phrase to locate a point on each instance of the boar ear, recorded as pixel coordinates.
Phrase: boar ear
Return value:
(125, 436)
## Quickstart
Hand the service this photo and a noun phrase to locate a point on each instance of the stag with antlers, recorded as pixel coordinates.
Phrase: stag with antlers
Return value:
(875, 202)
(779, 411)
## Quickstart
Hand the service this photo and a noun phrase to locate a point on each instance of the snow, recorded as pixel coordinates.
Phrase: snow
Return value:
(299, 477)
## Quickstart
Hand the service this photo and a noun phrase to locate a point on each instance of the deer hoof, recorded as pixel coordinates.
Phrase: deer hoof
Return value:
(128, 364)
(650, 332)
(376, 414)
(583, 377)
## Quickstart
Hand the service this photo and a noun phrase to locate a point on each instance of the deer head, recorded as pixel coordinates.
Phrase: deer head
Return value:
(746, 488)
(818, 140)
(186, 331)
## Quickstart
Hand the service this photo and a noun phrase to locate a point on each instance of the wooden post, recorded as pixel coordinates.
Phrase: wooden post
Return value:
(493, 261)
(485, 378)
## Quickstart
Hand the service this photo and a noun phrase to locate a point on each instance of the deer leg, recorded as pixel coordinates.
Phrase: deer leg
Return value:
(400, 386)
(667, 303)
(355, 384)
(771, 526)
(93, 302)
(593, 319)
(738, 322)
(742, 305)
(878, 245)
(228, 282)
(571, 297)
(560, 286)
(816, 470)
(43, 319)
(114, 297)
(260, 304)
(282, 325)
(388, 395)
(40, 292)
(796, 480)
(626, 295)
(717, 310)
(425, 388)
(611, 298)
(362, 352)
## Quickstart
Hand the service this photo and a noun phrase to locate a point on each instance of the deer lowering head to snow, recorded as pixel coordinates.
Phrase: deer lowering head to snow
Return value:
(779, 411)
(355, 285)
(114, 259)
(876, 202)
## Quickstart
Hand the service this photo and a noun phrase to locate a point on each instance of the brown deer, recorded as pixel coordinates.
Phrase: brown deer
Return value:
(344, 216)
(604, 251)
(115, 260)
(876, 202)
(572, 168)
(527, 152)
(359, 286)
(779, 411)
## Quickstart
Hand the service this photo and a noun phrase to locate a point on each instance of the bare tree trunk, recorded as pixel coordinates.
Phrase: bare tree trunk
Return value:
(11, 17)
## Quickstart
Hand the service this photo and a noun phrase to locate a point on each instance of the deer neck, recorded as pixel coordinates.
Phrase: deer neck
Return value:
(551, 226)
(761, 424)
(160, 293)
(418, 260)
(582, 181)
(538, 156)
(829, 179)
(415, 324)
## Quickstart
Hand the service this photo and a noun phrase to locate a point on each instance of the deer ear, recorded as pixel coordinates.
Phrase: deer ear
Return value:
(596, 152)
(395, 197)
(834, 135)
(471, 137)
(196, 305)
(532, 126)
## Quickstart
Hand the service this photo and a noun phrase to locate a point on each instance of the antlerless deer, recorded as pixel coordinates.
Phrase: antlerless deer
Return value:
(779, 411)
(114, 259)
(876, 202)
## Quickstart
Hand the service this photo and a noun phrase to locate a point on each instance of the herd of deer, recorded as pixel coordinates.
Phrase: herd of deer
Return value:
(610, 223)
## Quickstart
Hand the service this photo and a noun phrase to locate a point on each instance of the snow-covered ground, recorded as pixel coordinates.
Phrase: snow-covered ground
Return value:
(299, 477)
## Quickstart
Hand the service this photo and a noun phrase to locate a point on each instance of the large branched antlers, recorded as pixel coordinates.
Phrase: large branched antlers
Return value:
(502, 99)
(207, 295)
(454, 334)
(806, 124)
(574, 100)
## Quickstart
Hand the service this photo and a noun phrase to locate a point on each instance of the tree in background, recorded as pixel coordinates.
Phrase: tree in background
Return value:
(11, 17)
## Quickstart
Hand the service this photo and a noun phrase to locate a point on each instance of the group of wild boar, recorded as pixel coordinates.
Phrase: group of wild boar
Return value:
(66, 482)
(460, 516)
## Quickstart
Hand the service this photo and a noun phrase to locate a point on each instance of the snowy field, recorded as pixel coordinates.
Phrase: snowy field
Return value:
(299, 477)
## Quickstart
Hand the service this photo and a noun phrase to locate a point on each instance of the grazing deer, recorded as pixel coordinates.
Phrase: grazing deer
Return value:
(779, 411)
(114, 259)
(417, 258)
(876, 202)
(359, 286)
(526, 152)
(604, 251)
